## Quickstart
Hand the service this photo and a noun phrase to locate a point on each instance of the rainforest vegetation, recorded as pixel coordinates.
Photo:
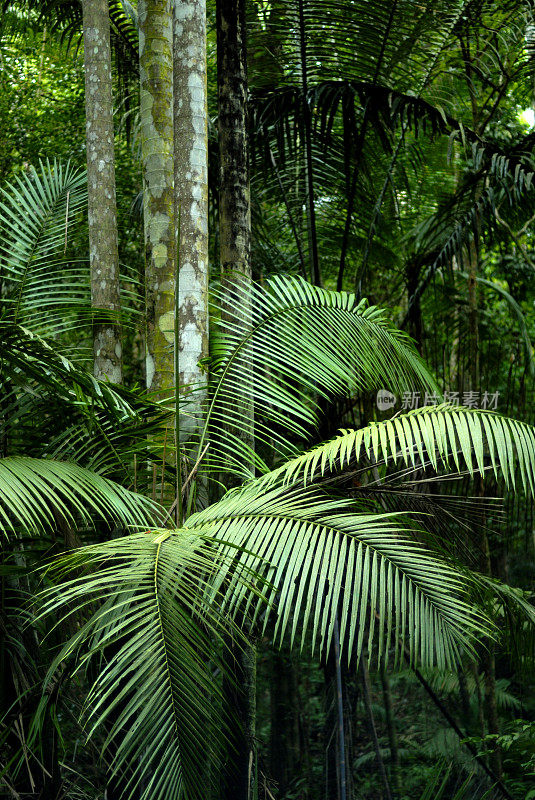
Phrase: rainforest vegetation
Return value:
(267, 444)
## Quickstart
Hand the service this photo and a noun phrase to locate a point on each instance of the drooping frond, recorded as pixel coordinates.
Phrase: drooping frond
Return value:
(65, 19)
(103, 427)
(156, 691)
(36, 215)
(306, 345)
(36, 494)
(498, 177)
(26, 357)
(324, 558)
(458, 438)
(44, 287)
(290, 560)
(515, 608)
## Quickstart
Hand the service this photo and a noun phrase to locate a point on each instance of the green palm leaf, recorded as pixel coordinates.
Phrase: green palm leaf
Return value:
(36, 493)
(323, 558)
(46, 289)
(157, 641)
(36, 215)
(446, 436)
(26, 358)
(166, 597)
(306, 345)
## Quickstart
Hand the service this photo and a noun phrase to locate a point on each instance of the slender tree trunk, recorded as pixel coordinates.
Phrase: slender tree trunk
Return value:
(235, 258)
(391, 728)
(239, 691)
(473, 310)
(307, 127)
(102, 209)
(234, 193)
(284, 742)
(367, 694)
(156, 127)
(234, 190)
(191, 198)
(342, 772)
(330, 731)
(414, 313)
(488, 662)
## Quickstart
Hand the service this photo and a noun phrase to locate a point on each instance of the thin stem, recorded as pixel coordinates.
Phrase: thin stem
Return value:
(366, 691)
(316, 275)
(290, 216)
(340, 707)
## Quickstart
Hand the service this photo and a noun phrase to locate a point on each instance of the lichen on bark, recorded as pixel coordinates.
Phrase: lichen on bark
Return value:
(191, 195)
(102, 210)
(156, 131)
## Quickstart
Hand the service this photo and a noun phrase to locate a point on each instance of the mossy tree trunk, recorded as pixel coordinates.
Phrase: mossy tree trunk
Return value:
(102, 208)
(156, 129)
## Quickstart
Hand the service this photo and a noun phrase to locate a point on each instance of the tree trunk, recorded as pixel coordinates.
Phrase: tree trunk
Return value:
(102, 209)
(307, 129)
(284, 740)
(239, 693)
(156, 127)
(367, 695)
(234, 191)
(235, 259)
(191, 197)
(391, 729)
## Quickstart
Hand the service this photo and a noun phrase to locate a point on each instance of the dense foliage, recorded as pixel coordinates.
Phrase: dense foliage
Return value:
(349, 495)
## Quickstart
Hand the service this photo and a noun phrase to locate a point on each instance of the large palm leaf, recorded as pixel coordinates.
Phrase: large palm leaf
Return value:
(351, 68)
(38, 494)
(445, 436)
(157, 644)
(301, 346)
(37, 213)
(45, 287)
(325, 557)
(298, 557)
(101, 426)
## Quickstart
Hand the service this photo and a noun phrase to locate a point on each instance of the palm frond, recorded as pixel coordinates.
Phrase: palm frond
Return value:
(36, 494)
(457, 438)
(296, 558)
(36, 215)
(26, 357)
(156, 646)
(308, 345)
(515, 608)
(44, 287)
(322, 558)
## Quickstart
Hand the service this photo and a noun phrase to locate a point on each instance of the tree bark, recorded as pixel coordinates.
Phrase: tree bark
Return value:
(367, 694)
(191, 200)
(234, 193)
(156, 128)
(236, 272)
(284, 740)
(102, 208)
(234, 189)
(239, 691)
